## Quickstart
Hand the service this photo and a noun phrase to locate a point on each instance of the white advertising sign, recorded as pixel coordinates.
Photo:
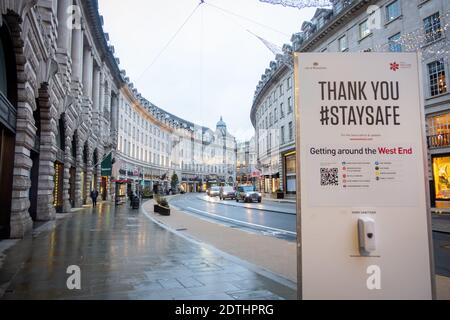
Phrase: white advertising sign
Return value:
(362, 200)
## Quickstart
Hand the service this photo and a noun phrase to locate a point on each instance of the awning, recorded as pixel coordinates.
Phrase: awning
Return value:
(107, 166)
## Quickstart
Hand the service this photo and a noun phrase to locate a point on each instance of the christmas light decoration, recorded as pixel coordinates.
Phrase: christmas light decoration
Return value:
(300, 4)
(431, 45)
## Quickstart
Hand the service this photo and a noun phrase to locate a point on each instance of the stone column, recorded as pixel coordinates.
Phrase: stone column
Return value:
(67, 207)
(102, 89)
(114, 122)
(96, 90)
(47, 157)
(65, 26)
(96, 101)
(21, 222)
(107, 98)
(77, 55)
(88, 69)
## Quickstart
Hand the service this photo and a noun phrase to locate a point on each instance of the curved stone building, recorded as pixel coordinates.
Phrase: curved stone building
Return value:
(71, 121)
(154, 144)
(360, 26)
(59, 88)
(273, 118)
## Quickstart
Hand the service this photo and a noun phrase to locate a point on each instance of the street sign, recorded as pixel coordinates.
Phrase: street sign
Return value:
(363, 205)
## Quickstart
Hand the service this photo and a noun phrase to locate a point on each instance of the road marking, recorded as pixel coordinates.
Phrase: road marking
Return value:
(242, 222)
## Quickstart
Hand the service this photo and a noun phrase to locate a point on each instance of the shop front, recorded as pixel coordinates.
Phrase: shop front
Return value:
(121, 190)
(106, 171)
(440, 189)
(271, 183)
(290, 176)
(191, 183)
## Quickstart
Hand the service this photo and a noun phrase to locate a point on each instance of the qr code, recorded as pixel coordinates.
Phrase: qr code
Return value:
(329, 177)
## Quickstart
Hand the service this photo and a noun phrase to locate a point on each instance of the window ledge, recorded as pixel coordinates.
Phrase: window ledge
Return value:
(400, 17)
(433, 42)
(362, 39)
(422, 2)
(437, 96)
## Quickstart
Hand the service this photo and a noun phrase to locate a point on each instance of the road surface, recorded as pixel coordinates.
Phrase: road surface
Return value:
(278, 220)
(272, 218)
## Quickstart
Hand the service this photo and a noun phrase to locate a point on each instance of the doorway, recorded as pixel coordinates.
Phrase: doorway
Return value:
(7, 143)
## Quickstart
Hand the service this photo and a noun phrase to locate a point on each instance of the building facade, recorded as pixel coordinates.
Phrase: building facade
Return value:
(154, 144)
(246, 172)
(71, 121)
(273, 118)
(380, 26)
(59, 87)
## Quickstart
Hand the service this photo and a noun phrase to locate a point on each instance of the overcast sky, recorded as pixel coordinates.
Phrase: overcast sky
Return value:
(212, 67)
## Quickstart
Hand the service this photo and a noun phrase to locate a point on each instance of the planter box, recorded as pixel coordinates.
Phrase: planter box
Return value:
(164, 211)
(280, 195)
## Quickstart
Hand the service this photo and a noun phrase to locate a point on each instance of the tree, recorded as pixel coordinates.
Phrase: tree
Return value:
(174, 182)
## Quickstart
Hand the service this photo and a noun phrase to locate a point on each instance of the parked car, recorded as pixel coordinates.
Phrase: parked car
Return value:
(214, 191)
(247, 194)
(227, 192)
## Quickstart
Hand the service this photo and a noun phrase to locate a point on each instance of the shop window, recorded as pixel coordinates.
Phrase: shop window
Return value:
(290, 173)
(441, 174)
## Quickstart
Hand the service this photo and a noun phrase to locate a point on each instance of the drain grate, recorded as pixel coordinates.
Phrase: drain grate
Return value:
(182, 229)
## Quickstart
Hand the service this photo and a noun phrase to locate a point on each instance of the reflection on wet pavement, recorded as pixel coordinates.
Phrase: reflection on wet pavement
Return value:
(123, 255)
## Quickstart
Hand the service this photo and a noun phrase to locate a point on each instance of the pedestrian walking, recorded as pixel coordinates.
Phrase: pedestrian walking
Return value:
(94, 196)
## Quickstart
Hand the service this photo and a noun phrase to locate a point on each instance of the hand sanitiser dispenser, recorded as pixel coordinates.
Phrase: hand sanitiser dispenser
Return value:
(366, 236)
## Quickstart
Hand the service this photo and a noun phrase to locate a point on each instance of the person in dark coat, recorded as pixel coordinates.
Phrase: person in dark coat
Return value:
(94, 196)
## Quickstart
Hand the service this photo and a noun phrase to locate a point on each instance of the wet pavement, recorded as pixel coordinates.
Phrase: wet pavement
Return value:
(124, 255)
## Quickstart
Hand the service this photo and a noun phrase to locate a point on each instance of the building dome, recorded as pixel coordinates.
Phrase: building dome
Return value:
(221, 124)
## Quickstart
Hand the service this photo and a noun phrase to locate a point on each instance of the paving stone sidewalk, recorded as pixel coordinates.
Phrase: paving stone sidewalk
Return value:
(124, 255)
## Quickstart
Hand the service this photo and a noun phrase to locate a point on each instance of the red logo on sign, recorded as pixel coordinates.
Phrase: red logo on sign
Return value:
(395, 66)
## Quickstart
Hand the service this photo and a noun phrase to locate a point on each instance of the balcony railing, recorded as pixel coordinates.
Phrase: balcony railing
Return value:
(439, 141)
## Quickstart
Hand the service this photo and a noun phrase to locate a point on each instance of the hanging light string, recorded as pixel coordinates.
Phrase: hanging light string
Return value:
(170, 40)
(300, 4)
(431, 44)
(228, 12)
